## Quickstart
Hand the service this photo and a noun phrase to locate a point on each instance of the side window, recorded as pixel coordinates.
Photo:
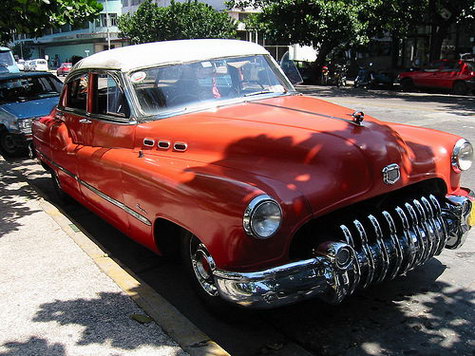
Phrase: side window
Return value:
(77, 93)
(110, 98)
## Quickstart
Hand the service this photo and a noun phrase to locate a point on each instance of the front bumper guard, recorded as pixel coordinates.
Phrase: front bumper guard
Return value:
(339, 268)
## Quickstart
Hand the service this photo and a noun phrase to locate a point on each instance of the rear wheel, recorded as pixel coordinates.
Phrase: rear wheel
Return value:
(460, 88)
(407, 84)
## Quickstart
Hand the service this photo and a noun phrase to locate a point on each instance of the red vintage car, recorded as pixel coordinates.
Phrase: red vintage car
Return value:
(455, 75)
(64, 69)
(204, 148)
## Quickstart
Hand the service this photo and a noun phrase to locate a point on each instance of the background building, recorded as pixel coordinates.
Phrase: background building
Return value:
(60, 44)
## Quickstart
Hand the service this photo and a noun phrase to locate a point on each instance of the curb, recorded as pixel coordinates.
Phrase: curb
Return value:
(176, 325)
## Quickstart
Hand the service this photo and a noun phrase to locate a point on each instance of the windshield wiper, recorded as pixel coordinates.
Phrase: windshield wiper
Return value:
(260, 92)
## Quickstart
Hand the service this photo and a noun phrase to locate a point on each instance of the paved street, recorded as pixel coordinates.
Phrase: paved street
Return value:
(430, 311)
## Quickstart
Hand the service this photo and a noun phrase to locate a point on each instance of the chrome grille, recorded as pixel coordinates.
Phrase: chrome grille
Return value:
(394, 241)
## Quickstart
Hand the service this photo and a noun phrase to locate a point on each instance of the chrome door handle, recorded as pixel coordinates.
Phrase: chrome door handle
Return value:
(85, 121)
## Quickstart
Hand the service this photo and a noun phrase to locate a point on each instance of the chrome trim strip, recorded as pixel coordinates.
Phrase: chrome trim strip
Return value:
(111, 200)
(309, 112)
(117, 203)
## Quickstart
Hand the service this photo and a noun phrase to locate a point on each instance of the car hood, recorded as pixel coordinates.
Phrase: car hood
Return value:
(311, 146)
(32, 108)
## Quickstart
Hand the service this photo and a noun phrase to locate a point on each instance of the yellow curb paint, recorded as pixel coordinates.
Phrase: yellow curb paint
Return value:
(175, 324)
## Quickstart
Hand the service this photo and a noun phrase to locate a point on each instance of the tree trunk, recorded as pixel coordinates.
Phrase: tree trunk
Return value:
(323, 51)
(437, 38)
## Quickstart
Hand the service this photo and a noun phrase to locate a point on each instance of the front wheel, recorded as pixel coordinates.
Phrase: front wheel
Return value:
(7, 143)
(199, 266)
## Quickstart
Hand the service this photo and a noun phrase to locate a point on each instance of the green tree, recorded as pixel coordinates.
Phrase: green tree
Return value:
(33, 16)
(441, 15)
(324, 24)
(188, 20)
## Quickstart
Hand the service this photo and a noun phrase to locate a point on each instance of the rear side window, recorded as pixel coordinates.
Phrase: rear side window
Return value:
(77, 93)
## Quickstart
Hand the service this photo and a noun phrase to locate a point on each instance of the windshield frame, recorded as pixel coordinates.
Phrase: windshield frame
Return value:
(208, 104)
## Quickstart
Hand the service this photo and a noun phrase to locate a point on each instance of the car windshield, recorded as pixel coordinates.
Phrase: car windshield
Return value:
(6, 58)
(29, 88)
(165, 90)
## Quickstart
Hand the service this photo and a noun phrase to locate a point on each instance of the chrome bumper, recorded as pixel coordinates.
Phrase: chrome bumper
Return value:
(416, 231)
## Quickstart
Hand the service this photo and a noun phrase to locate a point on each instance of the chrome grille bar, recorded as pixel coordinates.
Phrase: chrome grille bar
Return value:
(395, 241)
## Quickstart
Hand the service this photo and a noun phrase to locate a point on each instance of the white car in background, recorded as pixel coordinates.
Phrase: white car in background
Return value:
(39, 65)
(21, 64)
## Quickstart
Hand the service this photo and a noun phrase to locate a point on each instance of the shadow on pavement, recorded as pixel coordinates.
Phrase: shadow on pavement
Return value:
(456, 104)
(12, 197)
(33, 347)
(100, 324)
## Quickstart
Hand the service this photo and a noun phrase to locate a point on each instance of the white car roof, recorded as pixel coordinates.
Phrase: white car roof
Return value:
(129, 58)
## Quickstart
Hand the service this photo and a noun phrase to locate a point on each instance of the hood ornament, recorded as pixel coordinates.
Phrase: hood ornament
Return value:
(358, 117)
(391, 173)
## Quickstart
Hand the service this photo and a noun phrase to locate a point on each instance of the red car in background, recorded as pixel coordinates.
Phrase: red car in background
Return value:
(64, 69)
(455, 75)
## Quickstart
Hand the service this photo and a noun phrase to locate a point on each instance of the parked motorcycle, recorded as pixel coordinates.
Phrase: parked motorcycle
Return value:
(369, 78)
(339, 76)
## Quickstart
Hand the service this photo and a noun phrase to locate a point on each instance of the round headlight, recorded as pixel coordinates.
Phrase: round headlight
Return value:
(462, 155)
(262, 217)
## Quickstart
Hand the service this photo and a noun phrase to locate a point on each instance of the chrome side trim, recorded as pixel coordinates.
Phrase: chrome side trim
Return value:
(117, 203)
(104, 196)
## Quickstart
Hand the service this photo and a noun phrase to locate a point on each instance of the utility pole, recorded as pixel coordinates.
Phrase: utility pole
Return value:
(107, 28)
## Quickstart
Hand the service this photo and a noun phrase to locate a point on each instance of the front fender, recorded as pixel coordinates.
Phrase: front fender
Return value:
(209, 201)
(430, 159)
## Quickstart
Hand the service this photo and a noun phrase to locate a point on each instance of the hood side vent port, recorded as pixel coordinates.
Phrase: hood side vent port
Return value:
(164, 145)
(180, 146)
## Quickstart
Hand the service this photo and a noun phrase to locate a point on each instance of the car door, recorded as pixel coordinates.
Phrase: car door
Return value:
(107, 141)
(428, 76)
(66, 136)
(449, 72)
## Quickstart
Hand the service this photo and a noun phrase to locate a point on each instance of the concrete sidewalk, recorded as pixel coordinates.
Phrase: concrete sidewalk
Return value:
(54, 300)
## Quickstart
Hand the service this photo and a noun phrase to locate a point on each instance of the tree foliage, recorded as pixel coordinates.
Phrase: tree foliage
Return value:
(324, 24)
(188, 20)
(333, 23)
(33, 16)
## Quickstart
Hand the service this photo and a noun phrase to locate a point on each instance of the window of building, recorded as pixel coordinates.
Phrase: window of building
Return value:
(101, 21)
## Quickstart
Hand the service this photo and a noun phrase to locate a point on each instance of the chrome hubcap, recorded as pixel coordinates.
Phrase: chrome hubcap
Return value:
(203, 266)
